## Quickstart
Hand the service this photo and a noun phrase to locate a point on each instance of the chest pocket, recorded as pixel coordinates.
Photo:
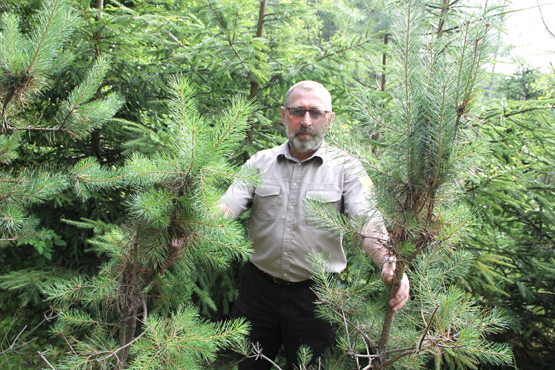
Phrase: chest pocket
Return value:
(266, 203)
(330, 202)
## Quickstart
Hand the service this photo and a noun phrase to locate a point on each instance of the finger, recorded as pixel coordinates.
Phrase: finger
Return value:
(399, 304)
(176, 243)
(386, 277)
(402, 295)
(388, 272)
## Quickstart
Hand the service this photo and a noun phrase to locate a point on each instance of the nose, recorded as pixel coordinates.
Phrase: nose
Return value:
(307, 119)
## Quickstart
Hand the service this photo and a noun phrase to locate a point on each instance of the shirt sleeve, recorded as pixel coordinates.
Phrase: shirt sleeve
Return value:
(239, 197)
(358, 195)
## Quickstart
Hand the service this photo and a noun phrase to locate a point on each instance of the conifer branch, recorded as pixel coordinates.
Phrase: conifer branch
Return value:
(228, 129)
(96, 74)
(38, 49)
(328, 54)
(193, 142)
(114, 353)
(421, 341)
(45, 360)
(226, 245)
(439, 155)
(188, 221)
(230, 41)
(258, 354)
(34, 128)
(203, 189)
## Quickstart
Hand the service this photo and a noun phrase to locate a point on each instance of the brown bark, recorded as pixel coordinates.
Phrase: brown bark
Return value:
(254, 84)
(378, 135)
(95, 135)
(384, 63)
(388, 320)
(441, 20)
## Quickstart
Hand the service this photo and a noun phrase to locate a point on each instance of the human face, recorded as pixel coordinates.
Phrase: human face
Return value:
(306, 134)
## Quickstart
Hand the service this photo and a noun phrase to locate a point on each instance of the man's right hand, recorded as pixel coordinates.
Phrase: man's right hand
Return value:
(173, 254)
(402, 294)
(227, 211)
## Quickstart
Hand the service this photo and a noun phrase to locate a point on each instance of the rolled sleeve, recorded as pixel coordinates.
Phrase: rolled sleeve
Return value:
(358, 196)
(239, 199)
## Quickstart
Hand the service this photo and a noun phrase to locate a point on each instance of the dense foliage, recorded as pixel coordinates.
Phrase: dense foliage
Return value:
(109, 110)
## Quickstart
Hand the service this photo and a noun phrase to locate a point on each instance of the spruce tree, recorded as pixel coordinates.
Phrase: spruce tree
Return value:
(513, 197)
(428, 140)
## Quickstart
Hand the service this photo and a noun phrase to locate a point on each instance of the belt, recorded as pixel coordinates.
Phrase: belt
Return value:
(301, 284)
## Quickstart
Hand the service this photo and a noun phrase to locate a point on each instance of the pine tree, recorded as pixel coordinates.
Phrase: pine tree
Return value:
(132, 315)
(28, 65)
(429, 140)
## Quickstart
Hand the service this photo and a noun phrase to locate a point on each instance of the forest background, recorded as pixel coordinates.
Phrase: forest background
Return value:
(122, 58)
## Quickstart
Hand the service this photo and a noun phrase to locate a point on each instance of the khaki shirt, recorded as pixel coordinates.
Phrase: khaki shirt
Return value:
(283, 232)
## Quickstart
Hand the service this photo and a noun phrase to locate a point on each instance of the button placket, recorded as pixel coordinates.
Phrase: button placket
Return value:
(291, 218)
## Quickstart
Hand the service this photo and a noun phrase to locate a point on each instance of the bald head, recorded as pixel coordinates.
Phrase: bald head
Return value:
(308, 85)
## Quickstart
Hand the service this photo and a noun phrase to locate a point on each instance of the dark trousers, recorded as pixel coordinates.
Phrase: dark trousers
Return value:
(280, 316)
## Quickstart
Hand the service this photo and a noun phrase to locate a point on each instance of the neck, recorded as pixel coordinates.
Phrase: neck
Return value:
(300, 156)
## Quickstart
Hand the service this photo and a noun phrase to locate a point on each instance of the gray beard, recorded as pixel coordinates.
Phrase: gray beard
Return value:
(303, 145)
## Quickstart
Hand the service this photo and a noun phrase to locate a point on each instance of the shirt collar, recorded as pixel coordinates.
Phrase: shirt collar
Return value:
(283, 151)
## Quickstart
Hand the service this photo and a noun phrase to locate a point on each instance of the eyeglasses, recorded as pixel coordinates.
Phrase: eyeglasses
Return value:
(300, 112)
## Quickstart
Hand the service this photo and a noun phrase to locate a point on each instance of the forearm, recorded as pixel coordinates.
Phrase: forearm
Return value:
(375, 243)
(227, 211)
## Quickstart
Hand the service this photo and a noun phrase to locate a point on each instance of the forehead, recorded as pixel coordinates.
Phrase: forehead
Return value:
(310, 98)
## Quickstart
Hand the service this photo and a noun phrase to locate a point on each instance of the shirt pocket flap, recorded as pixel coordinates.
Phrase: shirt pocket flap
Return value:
(325, 196)
(268, 190)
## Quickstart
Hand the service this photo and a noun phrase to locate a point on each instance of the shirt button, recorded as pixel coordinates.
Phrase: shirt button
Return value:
(285, 274)
(288, 230)
(291, 207)
(285, 253)
(294, 184)
(298, 163)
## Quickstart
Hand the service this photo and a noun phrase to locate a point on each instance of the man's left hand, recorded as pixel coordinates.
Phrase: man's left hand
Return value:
(402, 295)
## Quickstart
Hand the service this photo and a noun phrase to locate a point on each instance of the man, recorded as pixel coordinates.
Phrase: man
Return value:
(275, 293)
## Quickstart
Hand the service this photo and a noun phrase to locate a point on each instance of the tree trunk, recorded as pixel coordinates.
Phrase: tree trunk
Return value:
(388, 320)
(377, 135)
(95, 135)
(441, 19)
(254, 84)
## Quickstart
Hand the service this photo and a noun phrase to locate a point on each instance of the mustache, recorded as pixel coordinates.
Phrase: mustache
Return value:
(302, 129)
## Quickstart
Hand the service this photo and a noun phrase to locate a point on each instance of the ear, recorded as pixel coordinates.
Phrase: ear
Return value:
(283, 113)
(331, 119)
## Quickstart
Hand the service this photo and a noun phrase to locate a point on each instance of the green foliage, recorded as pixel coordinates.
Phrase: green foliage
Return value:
(432, 326)
(512, 196)
(176, 197)
(33, 56)
(428, 139)
(28, 65)
(185, 339)
(66, 156)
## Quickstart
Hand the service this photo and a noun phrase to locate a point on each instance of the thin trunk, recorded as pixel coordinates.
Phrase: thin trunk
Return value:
(254, 84)
(378, 135)
(129, 295)
(384, 63)
(442, 18)
(259, 33)
(388, 320)
(95, 135)
(5, 126)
